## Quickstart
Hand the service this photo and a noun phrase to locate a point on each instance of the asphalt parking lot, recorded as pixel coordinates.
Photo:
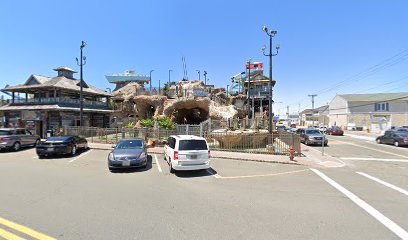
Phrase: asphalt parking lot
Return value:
(79, 198)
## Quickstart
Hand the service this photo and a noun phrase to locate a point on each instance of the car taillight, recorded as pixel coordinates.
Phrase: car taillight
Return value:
(405, 139)
(209, 154)
(5, 139)
(175, 155)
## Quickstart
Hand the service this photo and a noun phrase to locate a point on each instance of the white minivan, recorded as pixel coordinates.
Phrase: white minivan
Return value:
(186, 152)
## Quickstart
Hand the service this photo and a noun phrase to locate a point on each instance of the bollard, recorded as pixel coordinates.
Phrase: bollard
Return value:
(291, 153)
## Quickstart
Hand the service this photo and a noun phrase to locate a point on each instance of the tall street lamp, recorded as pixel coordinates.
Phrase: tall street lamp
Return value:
(249, 87)
(271, 34)
(205, 80)
(227, 89)
(150, 80)
(81, 63)
(199, 75)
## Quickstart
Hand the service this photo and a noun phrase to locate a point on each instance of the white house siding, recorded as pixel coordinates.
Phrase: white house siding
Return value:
(338, 105)
(338, 120)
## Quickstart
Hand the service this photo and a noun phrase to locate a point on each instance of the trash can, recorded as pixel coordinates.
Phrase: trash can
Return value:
(50, 133)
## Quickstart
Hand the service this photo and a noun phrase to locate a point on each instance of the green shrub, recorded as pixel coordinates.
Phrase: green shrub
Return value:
(147, 123)
(166, 122)
(130, 125)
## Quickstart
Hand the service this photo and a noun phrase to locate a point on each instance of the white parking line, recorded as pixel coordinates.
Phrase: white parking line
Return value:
(399, 231)
(375, 159)
(403, 191)
(157, 163)
(83, 154)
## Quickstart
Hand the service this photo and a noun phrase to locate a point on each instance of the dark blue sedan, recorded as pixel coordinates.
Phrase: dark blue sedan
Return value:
(128, 153)
(61, 145)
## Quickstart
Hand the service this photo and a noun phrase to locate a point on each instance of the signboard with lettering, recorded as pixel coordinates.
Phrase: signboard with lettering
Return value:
(30, 115)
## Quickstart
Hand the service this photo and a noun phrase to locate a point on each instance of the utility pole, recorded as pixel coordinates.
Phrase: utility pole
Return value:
(271, 34)
(81, 63)
(169, 76)
(287, 110)
(199, 75)
(312, 96)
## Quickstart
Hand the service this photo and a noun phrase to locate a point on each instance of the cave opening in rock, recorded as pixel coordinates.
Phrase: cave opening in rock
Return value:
(190, 116)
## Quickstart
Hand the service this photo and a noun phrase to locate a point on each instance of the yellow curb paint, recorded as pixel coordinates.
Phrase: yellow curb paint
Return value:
(381, 151)
(265, 175)
(24, 229)
(9, 236)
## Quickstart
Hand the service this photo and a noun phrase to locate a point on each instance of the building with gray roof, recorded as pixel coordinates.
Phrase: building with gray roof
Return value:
(53, 102)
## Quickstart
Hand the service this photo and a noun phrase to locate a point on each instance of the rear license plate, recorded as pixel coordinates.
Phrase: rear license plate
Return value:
(126, 163)
(50, 149)
(193, 156)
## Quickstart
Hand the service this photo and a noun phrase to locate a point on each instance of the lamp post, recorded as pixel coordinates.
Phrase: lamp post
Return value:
(205, 80)
(249, 87)
(199, 75)
(159, 86)
(81, 63)
(110, 90)
(227, 89)
(150, 81)
(271, 34)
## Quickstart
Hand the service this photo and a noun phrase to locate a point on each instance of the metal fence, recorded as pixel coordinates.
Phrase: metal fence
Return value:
(250, 142)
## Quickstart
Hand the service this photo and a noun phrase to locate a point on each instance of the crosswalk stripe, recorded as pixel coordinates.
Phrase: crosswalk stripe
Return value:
(24, 229)
(403, 191)
(9, 236)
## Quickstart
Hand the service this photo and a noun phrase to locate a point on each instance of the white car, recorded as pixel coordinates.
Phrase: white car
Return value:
(186, 152)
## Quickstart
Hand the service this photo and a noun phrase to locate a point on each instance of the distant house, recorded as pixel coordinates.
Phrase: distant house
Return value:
(377, 111)
(43, 103)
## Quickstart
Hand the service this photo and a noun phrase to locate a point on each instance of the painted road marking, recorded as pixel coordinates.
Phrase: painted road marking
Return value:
(81, 155)
(157, 163)
(24, 230)
(9, 236)
(399, 231)
(403, 191)
(374, 149)
(374, 159)
(264, 175)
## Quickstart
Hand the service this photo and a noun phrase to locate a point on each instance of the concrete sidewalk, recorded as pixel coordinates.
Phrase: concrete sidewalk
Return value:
(311, 156)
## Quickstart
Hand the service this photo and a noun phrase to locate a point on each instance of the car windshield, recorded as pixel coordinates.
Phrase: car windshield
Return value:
(312, 131)
(193, 145)
(58, 138)
(130, 144)
(5, 132)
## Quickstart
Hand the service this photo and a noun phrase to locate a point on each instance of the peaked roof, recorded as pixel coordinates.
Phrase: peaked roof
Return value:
(374, 97)
(57, 82)
(65, 68)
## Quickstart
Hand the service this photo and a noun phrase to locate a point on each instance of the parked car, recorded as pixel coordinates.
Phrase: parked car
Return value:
(335, 131)
(281, 128)
(128, 153)
(405, 130)
(186, 152)
(61, 145)
(396, 138)
(311, 136)
(15, 138)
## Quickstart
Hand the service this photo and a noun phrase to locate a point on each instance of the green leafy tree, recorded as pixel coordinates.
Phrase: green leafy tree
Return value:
(166, 122)
(147, 123)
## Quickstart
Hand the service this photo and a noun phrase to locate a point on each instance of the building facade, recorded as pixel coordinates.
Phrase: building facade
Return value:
(45, 103)
(376, 112)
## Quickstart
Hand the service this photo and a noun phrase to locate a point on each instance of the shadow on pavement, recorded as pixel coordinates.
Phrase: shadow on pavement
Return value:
(196, 173)
(64, 156)
(135, 169)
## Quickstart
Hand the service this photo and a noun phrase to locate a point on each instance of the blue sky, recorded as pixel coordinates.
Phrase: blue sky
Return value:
(323, 43)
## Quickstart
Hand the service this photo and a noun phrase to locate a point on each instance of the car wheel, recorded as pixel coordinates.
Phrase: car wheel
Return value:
(396, 143)
(378, 141)
(41, 156)
(307, 142)
(16, 146)
(37, 142)
(171, 169)
(73, 150)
